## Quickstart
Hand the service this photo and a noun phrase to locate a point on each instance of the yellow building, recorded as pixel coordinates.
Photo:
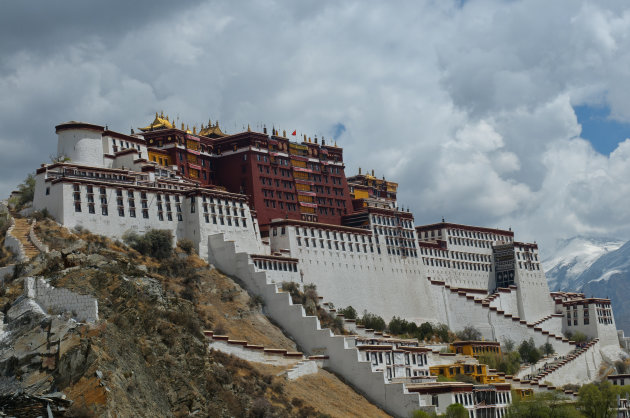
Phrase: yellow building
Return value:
(524, 393)
(479, 372)
(159, 156)
(476, 348)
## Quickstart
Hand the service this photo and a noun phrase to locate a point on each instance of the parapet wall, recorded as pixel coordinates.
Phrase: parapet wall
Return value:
(83, 307)
(14, 244)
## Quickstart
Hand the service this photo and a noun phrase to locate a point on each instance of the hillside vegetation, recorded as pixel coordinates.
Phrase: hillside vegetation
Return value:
(147, 355)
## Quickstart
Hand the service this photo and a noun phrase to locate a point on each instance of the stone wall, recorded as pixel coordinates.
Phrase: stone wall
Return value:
(14, 244)
(308, 333)
(83, 307)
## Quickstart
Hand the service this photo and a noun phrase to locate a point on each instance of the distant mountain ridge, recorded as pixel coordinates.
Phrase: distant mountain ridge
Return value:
(596, 267)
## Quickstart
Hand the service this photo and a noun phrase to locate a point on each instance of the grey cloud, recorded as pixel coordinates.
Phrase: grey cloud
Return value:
(404, 81)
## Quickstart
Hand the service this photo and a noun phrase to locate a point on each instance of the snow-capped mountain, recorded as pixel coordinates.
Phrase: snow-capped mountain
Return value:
(597, 268)
(573, 257)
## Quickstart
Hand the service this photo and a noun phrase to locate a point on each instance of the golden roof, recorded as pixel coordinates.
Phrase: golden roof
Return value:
(211, 130)
(160, 122)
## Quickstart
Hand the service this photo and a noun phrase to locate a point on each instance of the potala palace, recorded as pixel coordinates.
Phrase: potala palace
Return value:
(267, 209)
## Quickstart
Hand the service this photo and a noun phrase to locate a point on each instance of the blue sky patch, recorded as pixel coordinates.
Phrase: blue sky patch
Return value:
(338, 129)
(601, 131)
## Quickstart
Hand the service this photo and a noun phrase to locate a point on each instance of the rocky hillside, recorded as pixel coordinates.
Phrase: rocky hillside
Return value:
(147, 355)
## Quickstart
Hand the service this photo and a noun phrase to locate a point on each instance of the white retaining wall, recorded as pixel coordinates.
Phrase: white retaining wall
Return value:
(14, 244)
(83, 307)
(302, 368)
(506, 301)
(43, 248)
(307, 331)
(583, 369)
(253, 354)
(553, 325)
(462, 311)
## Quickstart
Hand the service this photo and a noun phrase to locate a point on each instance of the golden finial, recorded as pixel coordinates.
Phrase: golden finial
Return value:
(194, 129)
(217, 125)
(162, 114)
(359, 170)
(309, 139)
(187, 128)
(182, 126)
(304, 137)
(372, 172)
(201, 128)
(335, 143)
(248, 128)
(284, 133)
(156, 115)
(167, 118)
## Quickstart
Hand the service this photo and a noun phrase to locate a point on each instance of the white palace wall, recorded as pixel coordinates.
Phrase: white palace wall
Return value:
(83, 146)
(387, 285)
(534, 299)
(506, 301)
(219, 213)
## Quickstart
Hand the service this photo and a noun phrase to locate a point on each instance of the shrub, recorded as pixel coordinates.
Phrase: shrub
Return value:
(444, 333)
(25, 193)
(469, 333)
(456, 410)
(41, 214)
(156, 243)
(373, 321)
(260, 408)
(422, 414)
(508, 345)
(529, 352)
(579, 337)
(186, 246)
(348, 313)
(425, 331)
(398, 326)
(547, 349)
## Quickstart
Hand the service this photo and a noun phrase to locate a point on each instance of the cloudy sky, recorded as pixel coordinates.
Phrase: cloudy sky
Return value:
(495, 113)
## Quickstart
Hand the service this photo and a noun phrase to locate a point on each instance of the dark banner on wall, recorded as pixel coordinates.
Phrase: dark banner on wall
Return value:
(504, 264)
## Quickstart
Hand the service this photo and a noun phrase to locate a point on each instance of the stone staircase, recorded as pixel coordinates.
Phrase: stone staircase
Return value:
(21, 232)
(503, 320)
(342, 355)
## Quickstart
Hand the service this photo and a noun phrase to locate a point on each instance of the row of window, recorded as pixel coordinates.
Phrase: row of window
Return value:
(410, 358)
(478, 235)
(275, 265)
(391, 221)
(342, 236)
(436, 262)
(338, 246)
(393, 232)
(456, 255)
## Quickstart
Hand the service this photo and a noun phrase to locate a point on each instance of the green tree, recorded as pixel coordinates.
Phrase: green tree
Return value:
(529, 352)
(425, 330)
(25, 193)
(547, 349)
(348, 313)
(443, 333)
(456, 410)
(542, 405)
(597, 401)
(422, 414)
(469, 333)
(508, 345)
(579, 337)
(398, 326)
(372, 321)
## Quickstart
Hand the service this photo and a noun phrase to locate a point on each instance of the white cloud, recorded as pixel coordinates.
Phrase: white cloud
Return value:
(468, 107)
